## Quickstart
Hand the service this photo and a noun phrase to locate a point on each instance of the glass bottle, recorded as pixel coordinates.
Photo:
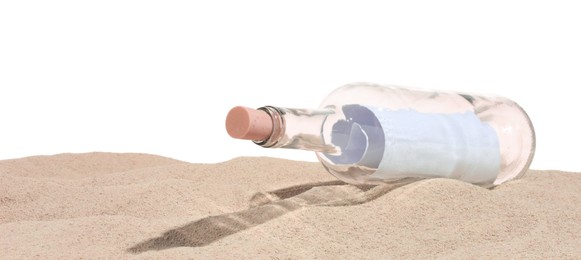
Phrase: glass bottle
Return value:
(369, 134)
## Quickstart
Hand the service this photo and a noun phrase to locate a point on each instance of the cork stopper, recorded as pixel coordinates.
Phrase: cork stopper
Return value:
(248, 124)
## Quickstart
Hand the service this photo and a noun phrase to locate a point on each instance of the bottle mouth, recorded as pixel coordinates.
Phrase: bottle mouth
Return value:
(297, 129)
(277, 126)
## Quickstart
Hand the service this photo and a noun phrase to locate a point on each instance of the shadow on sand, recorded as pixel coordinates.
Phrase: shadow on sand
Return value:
(265, 207)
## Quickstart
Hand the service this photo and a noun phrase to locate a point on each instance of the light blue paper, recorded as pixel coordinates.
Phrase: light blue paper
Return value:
(407, 143)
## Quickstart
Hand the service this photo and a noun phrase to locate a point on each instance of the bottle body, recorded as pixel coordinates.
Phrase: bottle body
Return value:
(369, 134)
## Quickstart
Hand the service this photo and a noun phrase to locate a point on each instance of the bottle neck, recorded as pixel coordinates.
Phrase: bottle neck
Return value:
(297, 129)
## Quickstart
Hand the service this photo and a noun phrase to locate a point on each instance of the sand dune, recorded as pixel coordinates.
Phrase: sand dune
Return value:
(105, 205)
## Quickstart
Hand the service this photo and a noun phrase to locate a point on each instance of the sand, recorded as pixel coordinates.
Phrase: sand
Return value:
(105, 205)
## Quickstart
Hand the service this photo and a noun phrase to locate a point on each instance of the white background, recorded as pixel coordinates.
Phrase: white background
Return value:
(160, 76)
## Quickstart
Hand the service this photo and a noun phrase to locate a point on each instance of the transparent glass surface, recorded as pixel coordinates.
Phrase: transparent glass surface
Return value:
(368, 134)
(503, 123)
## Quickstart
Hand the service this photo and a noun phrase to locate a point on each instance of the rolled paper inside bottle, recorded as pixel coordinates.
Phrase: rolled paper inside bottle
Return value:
(407, 143)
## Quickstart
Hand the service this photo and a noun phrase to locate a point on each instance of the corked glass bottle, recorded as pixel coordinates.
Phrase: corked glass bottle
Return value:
(368, 134)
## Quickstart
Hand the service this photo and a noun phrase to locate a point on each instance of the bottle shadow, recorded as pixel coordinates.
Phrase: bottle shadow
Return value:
(266, 206)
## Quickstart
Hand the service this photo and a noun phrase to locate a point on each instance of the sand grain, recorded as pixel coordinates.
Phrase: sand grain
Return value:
(135, 205)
